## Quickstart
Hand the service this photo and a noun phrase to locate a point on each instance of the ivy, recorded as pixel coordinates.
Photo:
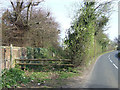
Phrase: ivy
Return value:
(82, 33)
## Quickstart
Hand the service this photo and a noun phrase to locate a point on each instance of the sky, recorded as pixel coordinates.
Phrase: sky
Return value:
(62, 10)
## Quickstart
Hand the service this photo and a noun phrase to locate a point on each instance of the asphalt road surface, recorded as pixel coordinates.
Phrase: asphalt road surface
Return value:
(105, 72)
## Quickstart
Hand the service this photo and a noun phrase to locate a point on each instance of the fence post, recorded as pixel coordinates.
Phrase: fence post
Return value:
(11, 54)
(1, 59)
(4, 58)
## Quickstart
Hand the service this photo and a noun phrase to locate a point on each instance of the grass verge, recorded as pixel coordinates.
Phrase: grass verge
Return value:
(16, 78)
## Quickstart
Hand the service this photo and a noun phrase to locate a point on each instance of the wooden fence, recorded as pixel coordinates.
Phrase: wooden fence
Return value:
(41, 62)
(9, 54)
(12, 56)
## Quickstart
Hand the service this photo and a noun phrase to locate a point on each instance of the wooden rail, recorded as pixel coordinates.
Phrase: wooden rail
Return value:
(38, 63)
(70, 65)
(43, 60)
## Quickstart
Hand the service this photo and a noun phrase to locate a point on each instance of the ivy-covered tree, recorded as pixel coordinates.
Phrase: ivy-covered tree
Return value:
(89, 22)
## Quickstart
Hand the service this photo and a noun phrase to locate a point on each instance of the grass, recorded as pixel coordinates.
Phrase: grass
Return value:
(65, 75)
(52, 78)
(18, 78)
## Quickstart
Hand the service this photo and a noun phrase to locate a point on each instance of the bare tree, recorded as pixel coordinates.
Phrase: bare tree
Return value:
(26, 27)
(18, 6)
(14, 24)
(44, 30)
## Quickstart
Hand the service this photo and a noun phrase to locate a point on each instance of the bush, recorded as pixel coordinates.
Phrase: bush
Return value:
(13, 77)
(38, 53)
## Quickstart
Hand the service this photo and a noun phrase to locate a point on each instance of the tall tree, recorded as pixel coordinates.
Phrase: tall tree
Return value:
(26, 25)
(89, 21)
(16, 24)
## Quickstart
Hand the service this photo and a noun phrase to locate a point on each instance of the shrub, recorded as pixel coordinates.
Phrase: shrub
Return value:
(37, 53)
(13, 77)
(29, 52)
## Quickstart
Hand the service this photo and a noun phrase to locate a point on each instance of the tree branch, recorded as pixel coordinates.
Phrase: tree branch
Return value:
(21, 4)
(27, 5)
(102, 4)
(37, 3)
(12, 5)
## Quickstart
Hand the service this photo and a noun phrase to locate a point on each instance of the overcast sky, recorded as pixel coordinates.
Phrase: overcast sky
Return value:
(62, 10)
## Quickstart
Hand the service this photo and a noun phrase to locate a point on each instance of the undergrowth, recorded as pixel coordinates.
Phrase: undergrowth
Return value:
(13, 77)
(16, 77)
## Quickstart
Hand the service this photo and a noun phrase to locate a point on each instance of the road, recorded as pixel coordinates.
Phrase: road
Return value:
(105, 72)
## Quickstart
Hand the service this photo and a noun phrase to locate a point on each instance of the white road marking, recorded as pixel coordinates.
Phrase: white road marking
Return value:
(115, 66)
(108, 56)
(112, 62)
